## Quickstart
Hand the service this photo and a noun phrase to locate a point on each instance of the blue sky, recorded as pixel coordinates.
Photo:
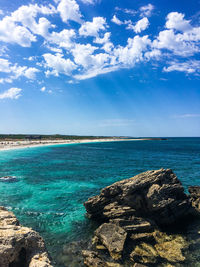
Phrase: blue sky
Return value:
(100, 67)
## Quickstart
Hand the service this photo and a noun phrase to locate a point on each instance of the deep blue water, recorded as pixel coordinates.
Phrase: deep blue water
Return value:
(53, 182)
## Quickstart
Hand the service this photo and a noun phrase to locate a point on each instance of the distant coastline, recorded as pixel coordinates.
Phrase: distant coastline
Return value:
(19, 144)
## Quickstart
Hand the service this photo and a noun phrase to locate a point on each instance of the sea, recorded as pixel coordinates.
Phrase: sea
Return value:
(51, 183)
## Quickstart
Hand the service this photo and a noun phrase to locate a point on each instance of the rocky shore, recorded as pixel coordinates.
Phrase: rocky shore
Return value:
(143, 221)
(20, 246)
(138, 217)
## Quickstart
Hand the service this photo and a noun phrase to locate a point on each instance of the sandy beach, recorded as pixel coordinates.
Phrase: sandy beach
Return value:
(9, 145)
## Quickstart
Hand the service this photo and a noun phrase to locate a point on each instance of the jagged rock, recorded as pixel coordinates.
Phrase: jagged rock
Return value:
(144, 253)
(156, 195)
(134, 224)
(92, 259)
(170, 247)
(113, 238)
(195, 196)
(143, 237)
(20, 246)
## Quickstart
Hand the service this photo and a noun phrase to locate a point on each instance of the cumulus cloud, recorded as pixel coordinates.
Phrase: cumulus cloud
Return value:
(12, 33)
(43, 89)
(21, 25)
(176, 21)
(57, 64)
(27, 16)
(177, 43)
(146, 11)
(81, 58)
(69, 10)
(104, 40)
(116, 20)
(141, 25)
(15, 71)
(93, 28)
(12, 93)
(63, 39)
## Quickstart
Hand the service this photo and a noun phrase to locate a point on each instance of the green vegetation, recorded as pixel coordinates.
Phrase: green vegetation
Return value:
(10, 137)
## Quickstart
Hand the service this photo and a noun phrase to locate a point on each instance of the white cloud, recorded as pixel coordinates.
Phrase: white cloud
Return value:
(12, 93)
(176, 43)
(62, 39)
(95, 72)
(4, 65)
(141, 25)
(92, 2)
(82, 54)
(176, 21)
(27, 16)
(116, 20)
(43, 89)
(30, 73)
(1, 12)
(146, 11)
(93, 28)
(69, 10)
(104, 40)
(129, 55)
(58, 64)
(155, 53)
(15, 71)
(12, 33)
(127, 11)
(191, 66)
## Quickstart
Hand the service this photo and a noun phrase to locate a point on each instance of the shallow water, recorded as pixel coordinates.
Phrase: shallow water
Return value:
(53, 182)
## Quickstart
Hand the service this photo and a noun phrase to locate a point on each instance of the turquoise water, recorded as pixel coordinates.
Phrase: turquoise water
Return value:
(53, 182)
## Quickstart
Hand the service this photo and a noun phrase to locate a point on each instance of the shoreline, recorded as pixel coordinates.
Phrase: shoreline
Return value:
(12, 145)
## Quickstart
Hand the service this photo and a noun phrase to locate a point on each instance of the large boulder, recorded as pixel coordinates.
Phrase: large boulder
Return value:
(157, 195)
(20, 246)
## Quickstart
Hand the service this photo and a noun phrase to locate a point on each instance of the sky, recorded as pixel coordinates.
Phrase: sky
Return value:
(100, 67)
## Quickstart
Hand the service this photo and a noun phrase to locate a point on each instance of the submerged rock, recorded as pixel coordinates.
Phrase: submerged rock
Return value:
(20, 246)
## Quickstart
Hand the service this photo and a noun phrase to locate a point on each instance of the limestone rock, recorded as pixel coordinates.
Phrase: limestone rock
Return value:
(92, 259)
(170, 247)
(144, 253)
(134, 224)
(20, 246)
(195, 196)
(113, 238)
(156, 195)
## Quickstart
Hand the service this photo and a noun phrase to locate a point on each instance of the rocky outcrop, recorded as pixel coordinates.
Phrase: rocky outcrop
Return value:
(133, 212)
(156, 195)
(20, 246)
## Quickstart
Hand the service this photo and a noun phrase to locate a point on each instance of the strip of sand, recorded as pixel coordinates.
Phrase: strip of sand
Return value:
(9, 145)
